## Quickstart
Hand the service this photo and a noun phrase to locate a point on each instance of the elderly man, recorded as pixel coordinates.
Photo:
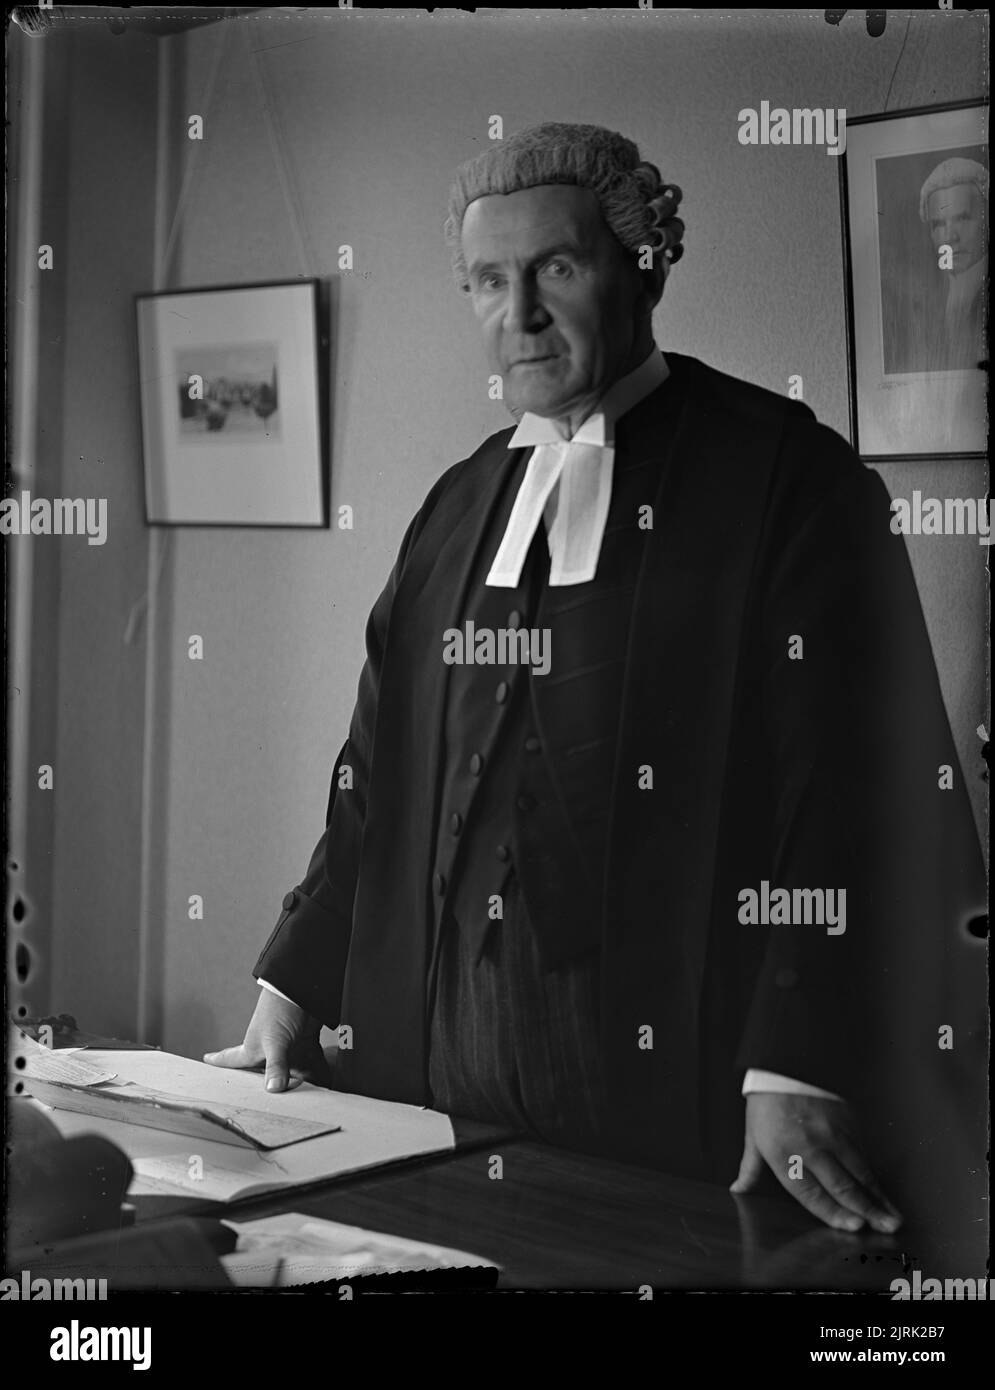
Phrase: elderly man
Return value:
(934, 312)
(684, 856)
(953, 204)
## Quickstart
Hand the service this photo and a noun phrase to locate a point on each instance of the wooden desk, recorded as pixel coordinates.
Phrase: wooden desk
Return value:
(562, 1220)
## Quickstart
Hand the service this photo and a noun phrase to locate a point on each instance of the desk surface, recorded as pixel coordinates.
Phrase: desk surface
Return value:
(562, 1220)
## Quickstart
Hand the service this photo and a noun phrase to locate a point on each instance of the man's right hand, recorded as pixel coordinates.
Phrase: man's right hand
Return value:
(282, 1039)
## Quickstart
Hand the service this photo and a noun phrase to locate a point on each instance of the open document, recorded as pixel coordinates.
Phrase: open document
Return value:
(217, 1134)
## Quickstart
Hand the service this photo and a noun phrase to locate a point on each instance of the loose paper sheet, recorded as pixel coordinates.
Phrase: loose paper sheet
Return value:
(47, 1064)
(196, 1119)
(292, 1249)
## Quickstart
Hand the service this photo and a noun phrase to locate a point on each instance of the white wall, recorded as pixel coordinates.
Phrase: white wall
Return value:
(80, 871)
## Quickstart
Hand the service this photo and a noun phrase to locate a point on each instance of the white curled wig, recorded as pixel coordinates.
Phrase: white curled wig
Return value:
(639, 208)
(947, 175)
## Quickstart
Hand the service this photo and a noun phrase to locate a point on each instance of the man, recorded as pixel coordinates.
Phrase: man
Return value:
(696, 670)
(953, 204)
(936, 323)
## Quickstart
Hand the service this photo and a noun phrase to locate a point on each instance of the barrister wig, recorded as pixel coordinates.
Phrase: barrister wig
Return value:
(950, 173)
(638, 206)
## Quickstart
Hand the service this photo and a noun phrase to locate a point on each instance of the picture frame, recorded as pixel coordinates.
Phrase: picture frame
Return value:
(915, 272)
(232, 424)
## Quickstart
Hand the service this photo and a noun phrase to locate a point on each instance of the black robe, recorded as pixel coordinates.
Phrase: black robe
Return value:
(818, 770)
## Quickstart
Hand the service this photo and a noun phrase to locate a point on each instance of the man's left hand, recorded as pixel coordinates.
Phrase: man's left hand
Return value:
(810, 1146)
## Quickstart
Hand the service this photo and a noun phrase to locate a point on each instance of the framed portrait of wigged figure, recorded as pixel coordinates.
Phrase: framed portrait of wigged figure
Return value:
(231, 416)
(914, 195)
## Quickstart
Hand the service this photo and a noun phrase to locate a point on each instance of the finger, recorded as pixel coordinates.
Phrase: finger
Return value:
(230, 1057)
(846, 1188)
(303, 1072)
(808, 1190)
(851, 1157)
(277, 1064)
(750, 1169)
(816, 1200)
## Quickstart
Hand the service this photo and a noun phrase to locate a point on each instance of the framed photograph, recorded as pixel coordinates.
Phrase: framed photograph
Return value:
(231, 417)
(914, 191)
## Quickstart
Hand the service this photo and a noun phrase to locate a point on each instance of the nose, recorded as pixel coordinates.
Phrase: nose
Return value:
(524, 311)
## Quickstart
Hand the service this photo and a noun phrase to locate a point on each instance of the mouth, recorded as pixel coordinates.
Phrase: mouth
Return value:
(533, 361)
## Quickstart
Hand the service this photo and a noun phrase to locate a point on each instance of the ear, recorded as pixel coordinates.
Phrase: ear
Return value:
(652, 284)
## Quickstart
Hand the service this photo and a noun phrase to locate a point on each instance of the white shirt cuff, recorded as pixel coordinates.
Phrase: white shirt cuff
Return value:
(273, 990)
(773, 1081)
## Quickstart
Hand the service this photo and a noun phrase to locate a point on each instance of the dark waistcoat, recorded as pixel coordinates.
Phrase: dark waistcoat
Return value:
(512, 801)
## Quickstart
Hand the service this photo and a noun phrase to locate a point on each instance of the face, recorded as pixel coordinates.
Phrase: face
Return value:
(956, 220)
(563, 308)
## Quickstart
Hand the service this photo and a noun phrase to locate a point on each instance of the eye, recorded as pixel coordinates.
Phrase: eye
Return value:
(558, 269)
(488, 281)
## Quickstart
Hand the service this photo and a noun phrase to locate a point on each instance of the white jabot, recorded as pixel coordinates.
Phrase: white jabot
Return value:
(569, 481)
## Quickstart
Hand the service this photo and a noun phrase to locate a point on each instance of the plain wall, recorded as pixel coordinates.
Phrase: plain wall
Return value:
(80, 869)
(343, 128)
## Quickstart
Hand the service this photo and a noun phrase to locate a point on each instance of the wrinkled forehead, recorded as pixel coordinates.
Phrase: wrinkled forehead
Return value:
(959, 198)
(532, 222)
